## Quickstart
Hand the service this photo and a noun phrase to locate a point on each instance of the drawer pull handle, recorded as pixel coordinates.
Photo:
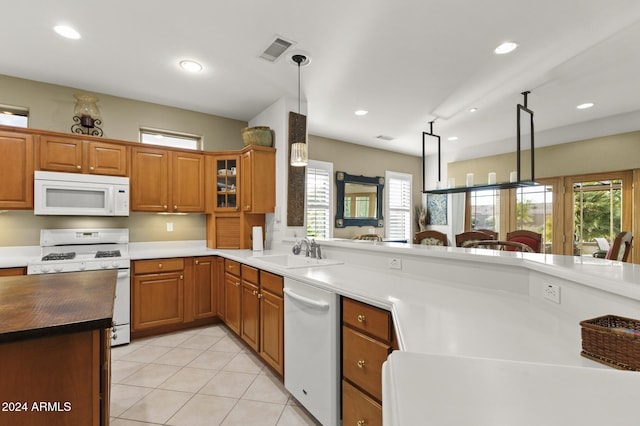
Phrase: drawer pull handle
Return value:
(159, 265)
(175, 207)
(361, 318)
(79, 167)
(361, 363)
(361, 423)
(237, 284)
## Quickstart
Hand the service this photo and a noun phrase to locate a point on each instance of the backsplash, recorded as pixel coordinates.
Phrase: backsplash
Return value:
(22, 228)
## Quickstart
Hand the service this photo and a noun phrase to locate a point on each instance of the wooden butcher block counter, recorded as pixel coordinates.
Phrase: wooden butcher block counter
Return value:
(54, 348)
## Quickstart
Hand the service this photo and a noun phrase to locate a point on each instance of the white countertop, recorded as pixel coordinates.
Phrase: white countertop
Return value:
(434, 390)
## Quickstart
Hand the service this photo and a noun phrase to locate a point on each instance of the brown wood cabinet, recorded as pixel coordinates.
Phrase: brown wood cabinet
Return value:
(367, 340)
(158, 293)
(258, 181)
(16, 170)
(220, 299)
(272, 320)
(73, 155)
(175, 293)
(9, 272)
(205, 287)
(167, 181)
(250, 324)
(232, 296)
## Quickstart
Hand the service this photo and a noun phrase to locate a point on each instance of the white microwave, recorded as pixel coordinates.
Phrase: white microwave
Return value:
(71, 194)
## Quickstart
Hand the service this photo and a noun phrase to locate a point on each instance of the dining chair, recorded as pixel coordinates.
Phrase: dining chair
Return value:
(368, 237)
(621, 247)
(430, 238)
(471, 236)
(494, 234)
(499, 245)
(530, 238)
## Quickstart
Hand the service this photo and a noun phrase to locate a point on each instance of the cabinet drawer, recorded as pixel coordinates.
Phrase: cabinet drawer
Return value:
(358, 408)
(249, 273)
(369, 319)
(271, 282)
(232, 267)
(158, 265)
(362, 359)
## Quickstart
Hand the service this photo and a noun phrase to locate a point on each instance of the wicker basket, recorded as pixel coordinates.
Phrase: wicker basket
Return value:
(613, 341)
(260, 135)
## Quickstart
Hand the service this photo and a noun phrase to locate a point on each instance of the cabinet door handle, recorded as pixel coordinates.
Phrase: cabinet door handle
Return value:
(79, 167)
(259, 295)
(254, 292)
(175, 207)
(92, 168)
(247, 207)
(164, 207)
(361, 423)
(361, 363)
(361, 318)
(159, 265)
(181, 277)
(237, 284)
(197, 262)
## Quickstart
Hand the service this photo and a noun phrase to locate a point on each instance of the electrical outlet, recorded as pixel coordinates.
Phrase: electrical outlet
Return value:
(169, 226)
(551, 292)
(395, 263)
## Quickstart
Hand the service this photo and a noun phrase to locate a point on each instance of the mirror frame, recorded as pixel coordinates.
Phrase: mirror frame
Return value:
(341, 221)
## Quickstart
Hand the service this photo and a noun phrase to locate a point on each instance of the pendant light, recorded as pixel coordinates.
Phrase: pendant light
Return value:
(299, 155)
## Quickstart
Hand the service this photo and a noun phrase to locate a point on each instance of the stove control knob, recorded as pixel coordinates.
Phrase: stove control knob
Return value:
(58, 268)
(104, 265)
(45, 269)
(82, 266)
(114, 265)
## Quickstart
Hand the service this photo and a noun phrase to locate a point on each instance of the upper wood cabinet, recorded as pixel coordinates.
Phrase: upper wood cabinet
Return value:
(258, 181)
(70, 155)
(16, 170)
(167, 181)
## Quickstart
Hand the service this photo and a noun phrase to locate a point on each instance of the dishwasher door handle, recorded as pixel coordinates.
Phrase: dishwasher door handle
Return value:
(305, 300)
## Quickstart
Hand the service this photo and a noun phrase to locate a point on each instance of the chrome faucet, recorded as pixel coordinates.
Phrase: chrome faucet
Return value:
(312, 248)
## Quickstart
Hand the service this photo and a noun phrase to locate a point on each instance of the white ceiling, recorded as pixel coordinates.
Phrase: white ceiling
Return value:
(407, 62)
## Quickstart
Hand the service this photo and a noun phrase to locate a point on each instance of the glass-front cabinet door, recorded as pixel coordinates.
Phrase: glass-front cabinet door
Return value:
(227, 183)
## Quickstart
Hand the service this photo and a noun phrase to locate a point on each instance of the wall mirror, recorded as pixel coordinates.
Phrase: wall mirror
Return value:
(359, 200)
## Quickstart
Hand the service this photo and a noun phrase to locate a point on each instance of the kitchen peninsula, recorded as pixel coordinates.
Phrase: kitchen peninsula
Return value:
(54, 348)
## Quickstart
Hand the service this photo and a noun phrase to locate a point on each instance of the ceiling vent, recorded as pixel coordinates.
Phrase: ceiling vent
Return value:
(275, 49)
(385, 137)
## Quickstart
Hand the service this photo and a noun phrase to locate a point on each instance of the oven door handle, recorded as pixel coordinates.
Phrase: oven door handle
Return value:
(123, 273)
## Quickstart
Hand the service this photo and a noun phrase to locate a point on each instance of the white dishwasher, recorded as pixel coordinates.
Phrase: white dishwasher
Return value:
(311, 345)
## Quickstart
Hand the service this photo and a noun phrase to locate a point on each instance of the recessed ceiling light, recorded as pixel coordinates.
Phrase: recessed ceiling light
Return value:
(506, 47)
(473, 109)
(452, 138)
(191, 66)
(361, 112)
(67, 32)
(585, 105)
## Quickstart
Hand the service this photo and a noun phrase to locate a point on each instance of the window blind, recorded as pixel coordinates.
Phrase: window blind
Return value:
(398, 221)
(318, 202)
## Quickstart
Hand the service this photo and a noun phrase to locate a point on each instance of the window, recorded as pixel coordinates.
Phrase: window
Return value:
(319, 199)
(170, 139)
(14, 116)
(398, 210)
(484, 210)
(534, 212)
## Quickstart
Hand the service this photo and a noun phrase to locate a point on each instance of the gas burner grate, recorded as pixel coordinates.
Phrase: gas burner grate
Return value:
(60, 256)
(108, 253)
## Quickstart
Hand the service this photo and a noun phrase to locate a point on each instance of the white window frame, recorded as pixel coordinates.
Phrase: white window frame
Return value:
(328, 167)
(14, 116)
(165, 138)
(408, 178)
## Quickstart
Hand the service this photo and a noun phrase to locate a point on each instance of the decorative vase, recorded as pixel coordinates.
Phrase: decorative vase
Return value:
(259, 135)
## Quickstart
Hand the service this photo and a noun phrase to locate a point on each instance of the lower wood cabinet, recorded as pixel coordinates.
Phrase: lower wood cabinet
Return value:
(232, 296)
(272, 320)
(367, 340)
(174, 293)
(250, 331)
(8, 272)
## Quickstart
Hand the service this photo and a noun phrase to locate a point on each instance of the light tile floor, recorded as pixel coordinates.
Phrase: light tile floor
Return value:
(199, 377)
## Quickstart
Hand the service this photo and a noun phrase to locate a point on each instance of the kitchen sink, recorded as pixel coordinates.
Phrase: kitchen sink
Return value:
(290, 261)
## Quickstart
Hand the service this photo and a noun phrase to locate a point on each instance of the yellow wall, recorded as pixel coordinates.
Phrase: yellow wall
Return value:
(604, 154)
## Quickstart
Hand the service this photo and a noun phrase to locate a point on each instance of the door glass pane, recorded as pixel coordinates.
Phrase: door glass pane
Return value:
(485, 209)
(597, 213)
(534, 212)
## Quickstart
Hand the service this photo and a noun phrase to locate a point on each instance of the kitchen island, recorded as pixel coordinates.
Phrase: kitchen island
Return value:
(54, 348)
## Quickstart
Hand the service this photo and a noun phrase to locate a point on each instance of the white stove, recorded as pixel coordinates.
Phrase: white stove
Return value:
(73, 250)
